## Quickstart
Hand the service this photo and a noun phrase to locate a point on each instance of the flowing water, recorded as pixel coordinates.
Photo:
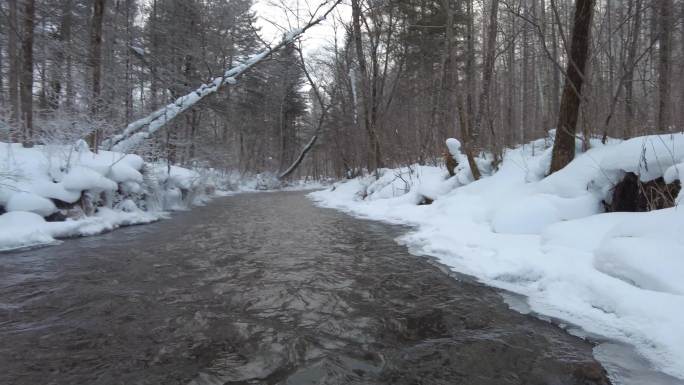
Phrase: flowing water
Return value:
(265, 289)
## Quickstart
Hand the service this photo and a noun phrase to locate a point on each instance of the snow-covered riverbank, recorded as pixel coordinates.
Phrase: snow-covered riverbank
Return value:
(617, 274)
(61, 191)
(50, 192)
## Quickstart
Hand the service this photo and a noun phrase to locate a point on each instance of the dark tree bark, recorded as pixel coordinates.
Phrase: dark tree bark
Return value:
(374, 158)
(13, 56)
(58, 74)
(66, 37)
(2, 65)
(95, 62)
(555, 84)
(510, 126)
(635, 6)
(468, 126)
(666, 9)
(27, 73)
(564, 145)
(487, 73)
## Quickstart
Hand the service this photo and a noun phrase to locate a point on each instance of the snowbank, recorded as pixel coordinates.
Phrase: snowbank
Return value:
(51, 191)
(614, 274)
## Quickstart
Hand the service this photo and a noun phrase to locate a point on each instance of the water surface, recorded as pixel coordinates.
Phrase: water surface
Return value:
(265, 289)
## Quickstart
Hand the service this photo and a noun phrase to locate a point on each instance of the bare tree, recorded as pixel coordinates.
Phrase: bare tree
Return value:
(95, 61)
(487, 73)
(666, 15)
(367, 102)
(564, 145)
(635, 8)
(13, 56)
(27, 73)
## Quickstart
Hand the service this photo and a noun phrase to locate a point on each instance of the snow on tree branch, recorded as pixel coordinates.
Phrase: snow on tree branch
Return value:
(143, 128)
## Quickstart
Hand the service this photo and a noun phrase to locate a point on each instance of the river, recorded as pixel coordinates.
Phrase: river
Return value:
(265, 289)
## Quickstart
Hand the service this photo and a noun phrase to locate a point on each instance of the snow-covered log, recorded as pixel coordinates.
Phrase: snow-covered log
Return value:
(143, 128)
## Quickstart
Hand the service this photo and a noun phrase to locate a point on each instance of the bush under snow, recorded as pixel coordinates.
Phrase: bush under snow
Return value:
(87, 193)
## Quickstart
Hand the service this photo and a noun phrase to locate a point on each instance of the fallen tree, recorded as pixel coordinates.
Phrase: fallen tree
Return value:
(319, 124)
(143, 128)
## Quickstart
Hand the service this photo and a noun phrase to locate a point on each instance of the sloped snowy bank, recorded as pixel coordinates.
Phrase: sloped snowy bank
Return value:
(49, 192)
(618, 274)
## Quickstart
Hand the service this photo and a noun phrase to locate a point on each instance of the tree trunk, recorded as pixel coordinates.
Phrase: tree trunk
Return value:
(470, 144)
(510, 125)
(13, 55)
(487, 73)
(525, 71)
(564, 145)
(27, 73)
(555, 85)
(635, 6)
(2, 66)
(96, 67)
(666, 9)
(130, 84)
(373, 145)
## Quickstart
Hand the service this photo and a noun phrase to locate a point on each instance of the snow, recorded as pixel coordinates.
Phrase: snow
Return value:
(22, 229)
(527, 216)
(26, 201)
(647, 156)
(617, 275)
(674, 173)
(83, 178)
(94, 192)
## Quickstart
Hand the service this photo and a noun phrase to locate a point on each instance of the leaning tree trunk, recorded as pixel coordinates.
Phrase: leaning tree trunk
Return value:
(321, 119)
(564, 145)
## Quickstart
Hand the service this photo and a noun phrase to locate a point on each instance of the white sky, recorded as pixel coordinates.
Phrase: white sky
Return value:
(270, 12)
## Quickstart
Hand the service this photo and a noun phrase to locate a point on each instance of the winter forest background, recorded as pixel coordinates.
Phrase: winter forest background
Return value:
(394, 81)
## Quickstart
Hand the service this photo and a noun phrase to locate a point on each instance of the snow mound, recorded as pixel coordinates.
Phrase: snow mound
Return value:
(22, 229)
(83, 178)
(528, 216)
(647, 156)
(26, 201)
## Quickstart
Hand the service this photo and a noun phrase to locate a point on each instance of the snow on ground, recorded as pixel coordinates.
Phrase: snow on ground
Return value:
(49, 192)
(618, 275)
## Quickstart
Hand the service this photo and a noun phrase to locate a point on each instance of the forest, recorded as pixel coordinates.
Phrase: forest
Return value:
(390, 85)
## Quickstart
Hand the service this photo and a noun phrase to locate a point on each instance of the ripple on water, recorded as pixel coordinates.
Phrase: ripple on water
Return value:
(265, 289)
